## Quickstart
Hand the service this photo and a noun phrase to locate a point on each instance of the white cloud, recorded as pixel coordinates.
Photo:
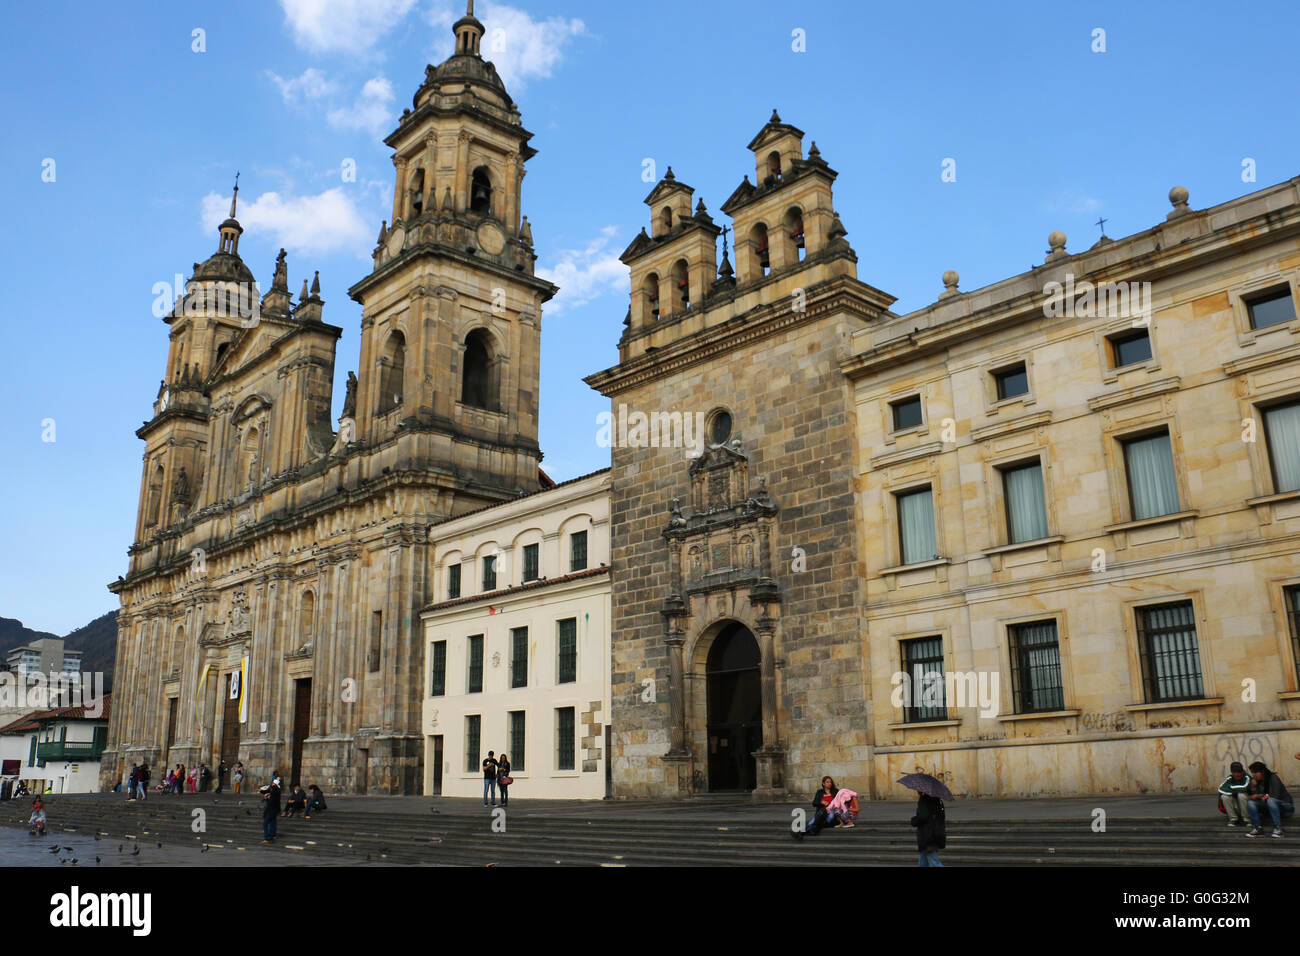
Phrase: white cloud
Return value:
(370, 112)
(520, 47)
(348, 26)
(1073, 203)
(326, 222)
(312, 85)
(586, 274)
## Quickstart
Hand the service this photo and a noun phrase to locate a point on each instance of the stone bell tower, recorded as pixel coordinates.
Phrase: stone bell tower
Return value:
(451, 325)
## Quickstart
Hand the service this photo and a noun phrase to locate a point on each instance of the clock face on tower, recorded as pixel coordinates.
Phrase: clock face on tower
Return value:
(395, 239)
(490, 238)
(165, 400)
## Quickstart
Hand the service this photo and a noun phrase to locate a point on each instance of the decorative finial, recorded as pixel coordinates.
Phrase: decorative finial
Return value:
(776, 118)
(302, 296)
(469, 11)
(669, 175)
(1101, 222)
(315, 283)
(813, 151)
(234, 197)
(1057, 242)
(950, 279)
(1178, 196)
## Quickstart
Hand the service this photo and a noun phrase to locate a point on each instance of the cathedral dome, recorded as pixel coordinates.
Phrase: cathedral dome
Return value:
(224, 265)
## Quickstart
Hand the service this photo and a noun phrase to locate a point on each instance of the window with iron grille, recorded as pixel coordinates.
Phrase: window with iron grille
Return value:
(1291, 597)
(453, 581)
(578, 551)
(490, 573)
(566, 651)
(923, 664)
(564, 724)
(1036, 667)
(517, 739)
(519, 657)
(472, 724)
(474, 679)
(438, 669)
(530, 562)
(1171, 659)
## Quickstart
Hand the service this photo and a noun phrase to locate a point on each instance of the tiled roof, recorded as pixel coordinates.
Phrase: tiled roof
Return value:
(511, 592)
(72, 712)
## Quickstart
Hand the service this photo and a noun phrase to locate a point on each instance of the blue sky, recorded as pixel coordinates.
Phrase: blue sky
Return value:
(146, 134)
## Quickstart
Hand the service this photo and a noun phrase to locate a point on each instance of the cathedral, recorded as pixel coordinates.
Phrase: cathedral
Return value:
(270, 613)
(1039, 537)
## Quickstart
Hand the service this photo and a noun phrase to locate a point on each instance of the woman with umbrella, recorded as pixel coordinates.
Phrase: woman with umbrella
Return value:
(931, 832)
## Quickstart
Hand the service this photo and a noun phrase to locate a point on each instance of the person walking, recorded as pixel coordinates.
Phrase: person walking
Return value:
(144, 780)
(37, 820)
(490, 778)
(504, 780)
(238, 775)
(132, 782)
(270, 810)
(931, 832)
(1267, 792)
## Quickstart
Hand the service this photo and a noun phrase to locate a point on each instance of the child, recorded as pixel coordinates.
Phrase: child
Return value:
(38, 817)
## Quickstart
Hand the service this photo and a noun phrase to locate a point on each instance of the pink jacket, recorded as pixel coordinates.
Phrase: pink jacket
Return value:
(840, 804)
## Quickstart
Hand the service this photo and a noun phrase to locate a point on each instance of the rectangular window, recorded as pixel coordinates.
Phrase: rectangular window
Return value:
(1271, 308)
(1282, 425)
(473, 723)
(566, 651)
(1011, 381)
(517, 740)
(564, 724)
(490, 573)
(578, 551)
(1291, 598)
(1129, 348)
(453, 581)
(530, 562)
(916, 526)
(376, 639)
(519, 657)
(438, 669)
(474, 679)
(1171, 659)
(923, 664)
(906, 413)
(1036, 668)
(1152, 487)
(1026, 502)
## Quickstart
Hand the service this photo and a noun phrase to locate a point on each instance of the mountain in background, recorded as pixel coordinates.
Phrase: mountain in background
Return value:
(97, 642)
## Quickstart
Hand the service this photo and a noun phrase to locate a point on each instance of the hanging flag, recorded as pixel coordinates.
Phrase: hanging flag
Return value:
(243, 689)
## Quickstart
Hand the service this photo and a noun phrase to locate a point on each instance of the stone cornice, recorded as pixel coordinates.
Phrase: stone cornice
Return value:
(841, 296)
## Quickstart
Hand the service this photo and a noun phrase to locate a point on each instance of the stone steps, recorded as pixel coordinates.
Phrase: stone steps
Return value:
(640, 835)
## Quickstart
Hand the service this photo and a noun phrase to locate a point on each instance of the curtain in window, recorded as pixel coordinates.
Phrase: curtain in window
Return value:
(1173, 655)
(916, 521)
(1040, 666)
(1026, 504)
(1283, 426)
(1151, 476)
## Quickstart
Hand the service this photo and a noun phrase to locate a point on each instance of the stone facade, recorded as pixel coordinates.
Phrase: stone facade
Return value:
(272, 550)
(1227, 540)
(813, 383)
(762, 347)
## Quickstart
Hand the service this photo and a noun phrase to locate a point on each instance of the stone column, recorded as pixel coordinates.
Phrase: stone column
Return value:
(460, 198)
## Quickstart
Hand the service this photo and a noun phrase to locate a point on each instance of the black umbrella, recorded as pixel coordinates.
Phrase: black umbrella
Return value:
(924, 783)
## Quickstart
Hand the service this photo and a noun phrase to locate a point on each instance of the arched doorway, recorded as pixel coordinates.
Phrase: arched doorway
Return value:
(735, 709)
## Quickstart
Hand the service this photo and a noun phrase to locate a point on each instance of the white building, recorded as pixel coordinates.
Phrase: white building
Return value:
(518, 646)
(57, 750)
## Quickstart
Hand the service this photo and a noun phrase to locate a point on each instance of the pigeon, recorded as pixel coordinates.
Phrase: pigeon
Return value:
(75, 861)
(97, 861)
(136, 851)
(204, 848)
(55, 849)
